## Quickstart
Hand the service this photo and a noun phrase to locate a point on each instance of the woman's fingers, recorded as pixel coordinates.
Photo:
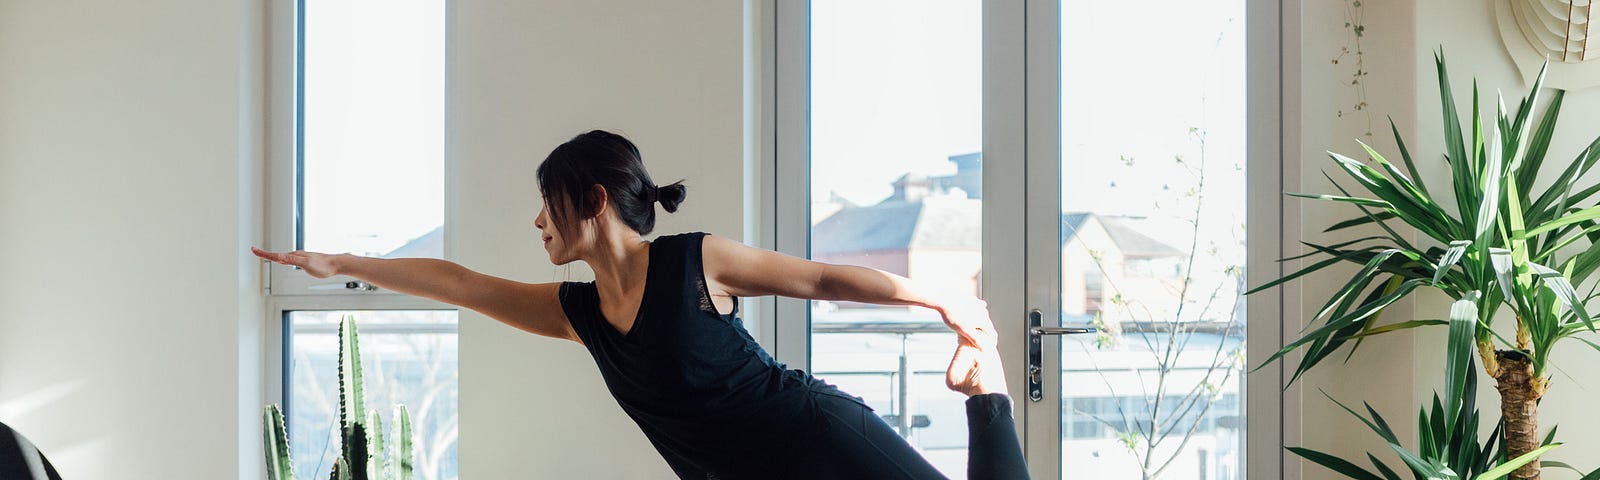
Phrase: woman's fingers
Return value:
(281, 258)
(265, 255)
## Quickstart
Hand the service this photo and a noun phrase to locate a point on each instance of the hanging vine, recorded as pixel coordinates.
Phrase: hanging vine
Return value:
(1351, 52)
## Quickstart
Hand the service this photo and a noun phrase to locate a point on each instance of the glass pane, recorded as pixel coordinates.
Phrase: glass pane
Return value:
(1152, 238)
(896, 111)
(373, 128)
(408, 357)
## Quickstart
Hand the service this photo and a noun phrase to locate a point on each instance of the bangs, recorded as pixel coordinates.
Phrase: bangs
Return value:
(562, 188)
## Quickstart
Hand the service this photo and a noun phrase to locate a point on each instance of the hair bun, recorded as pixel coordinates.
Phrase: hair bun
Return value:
(671, 195)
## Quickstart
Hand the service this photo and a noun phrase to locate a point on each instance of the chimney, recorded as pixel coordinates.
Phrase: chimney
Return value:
(911, 187)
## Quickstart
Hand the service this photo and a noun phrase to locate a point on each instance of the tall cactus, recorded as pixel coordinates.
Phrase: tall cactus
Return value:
(362, 453)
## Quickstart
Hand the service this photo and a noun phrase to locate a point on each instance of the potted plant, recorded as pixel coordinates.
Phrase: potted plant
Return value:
(1508, 246)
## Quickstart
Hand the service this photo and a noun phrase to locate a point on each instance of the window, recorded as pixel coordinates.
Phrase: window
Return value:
(408, 358)
(1094, 292)
(1157, 170)
(896, 184)
(372, 128)
(357, 166)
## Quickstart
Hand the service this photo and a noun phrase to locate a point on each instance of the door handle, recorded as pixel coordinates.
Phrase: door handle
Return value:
(1036, 333)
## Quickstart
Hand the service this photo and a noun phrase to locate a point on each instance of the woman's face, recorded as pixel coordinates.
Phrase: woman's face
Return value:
(553, 243)
(562, 247)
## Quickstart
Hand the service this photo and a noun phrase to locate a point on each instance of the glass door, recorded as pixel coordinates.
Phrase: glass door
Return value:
(1078, 164)
(1141, 223)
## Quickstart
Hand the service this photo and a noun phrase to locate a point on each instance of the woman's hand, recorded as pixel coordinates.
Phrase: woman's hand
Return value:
(969, 317)
(318, 265)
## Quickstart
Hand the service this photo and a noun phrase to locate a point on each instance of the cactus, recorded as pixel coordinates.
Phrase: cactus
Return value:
(341, 470)
(354, 454)
(402, 444)
(276, 442)
(362, 453)
(352, 402)
(375, 450)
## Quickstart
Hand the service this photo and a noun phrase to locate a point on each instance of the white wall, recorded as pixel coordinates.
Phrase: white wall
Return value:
(1323, 92)
(129, 143)
(130, 185)
(523, 77)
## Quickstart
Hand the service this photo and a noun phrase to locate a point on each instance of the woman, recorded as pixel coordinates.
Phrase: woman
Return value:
(711, 401)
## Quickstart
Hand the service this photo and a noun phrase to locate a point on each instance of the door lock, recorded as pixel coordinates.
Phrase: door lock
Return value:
(1036, 333)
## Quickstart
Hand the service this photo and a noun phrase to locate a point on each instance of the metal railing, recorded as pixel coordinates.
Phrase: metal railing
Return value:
(902, 418)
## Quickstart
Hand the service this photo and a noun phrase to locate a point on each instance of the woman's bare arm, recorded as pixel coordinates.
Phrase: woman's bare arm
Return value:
(746, 271)
(535, 308)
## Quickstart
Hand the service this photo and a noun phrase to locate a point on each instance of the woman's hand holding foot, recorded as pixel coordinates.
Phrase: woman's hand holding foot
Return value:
(975, 368)
(975, 371)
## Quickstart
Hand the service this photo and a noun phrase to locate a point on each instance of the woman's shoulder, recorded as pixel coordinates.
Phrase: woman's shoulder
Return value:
(681, 235)
(685, 239)
(575, 292)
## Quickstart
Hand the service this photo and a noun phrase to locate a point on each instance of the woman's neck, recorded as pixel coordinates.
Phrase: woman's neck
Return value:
(620, 262)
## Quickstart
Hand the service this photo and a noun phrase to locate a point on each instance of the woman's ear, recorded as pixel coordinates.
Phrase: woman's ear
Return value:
(598, 193)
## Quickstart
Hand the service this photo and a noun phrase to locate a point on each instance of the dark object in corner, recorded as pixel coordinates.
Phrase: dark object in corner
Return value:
(20, 460)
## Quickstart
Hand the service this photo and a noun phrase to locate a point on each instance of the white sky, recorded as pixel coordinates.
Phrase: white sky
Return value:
(893, 89)
(374, 123)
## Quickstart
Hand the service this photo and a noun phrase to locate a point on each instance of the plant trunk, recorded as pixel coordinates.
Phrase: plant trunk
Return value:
(1519, 409)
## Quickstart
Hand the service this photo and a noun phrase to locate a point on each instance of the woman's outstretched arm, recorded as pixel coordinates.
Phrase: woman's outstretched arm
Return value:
(746, 271)
(535, 308)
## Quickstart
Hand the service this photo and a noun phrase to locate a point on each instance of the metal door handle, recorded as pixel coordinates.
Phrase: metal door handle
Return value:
(1036, 333)
(1059, 330)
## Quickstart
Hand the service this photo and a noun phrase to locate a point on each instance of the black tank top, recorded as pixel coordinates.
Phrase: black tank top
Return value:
(711, 401)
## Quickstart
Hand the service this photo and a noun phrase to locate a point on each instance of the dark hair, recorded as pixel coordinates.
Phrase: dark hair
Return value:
(598, 157)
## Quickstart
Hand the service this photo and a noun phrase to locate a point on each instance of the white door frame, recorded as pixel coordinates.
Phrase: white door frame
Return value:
(1020, 146)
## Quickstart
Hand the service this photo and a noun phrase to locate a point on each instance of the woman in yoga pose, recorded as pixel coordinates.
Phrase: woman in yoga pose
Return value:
(711, 401)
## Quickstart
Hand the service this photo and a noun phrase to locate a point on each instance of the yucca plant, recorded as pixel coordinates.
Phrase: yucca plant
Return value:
(361, 442)
(1520, 250)
(1447, 433)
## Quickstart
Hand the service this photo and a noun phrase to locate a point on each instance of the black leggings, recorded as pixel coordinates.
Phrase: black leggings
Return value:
(859, 444)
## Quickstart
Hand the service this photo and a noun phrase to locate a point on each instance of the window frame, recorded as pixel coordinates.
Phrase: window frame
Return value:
(285, 289)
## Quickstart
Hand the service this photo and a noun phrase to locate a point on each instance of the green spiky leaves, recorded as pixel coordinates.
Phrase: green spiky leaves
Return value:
(402, 442)
(276, 444)
(1508, 242)
(1448, 446)
(352, 401)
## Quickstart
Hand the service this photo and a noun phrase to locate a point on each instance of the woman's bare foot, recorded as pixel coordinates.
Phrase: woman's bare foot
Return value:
(974, 370)
(970, 319)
